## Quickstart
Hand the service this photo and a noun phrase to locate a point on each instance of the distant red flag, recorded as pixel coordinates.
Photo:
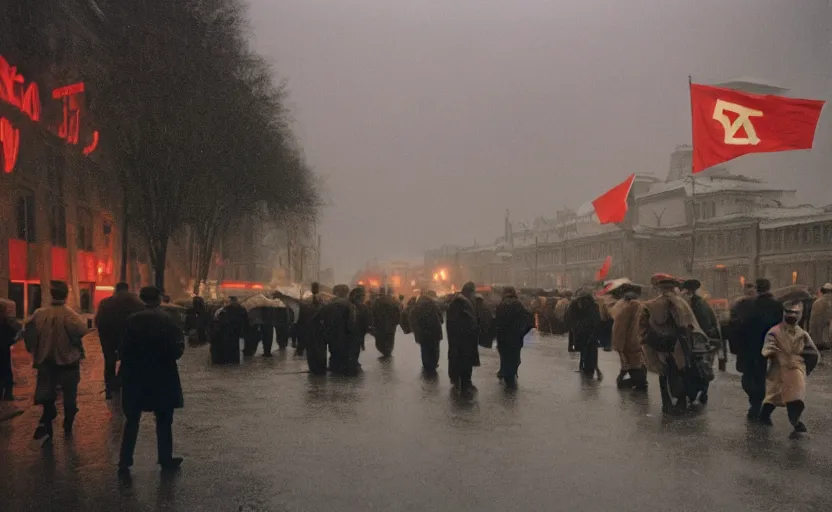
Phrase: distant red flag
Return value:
(729, 123)
(604, 271)
(612, 206)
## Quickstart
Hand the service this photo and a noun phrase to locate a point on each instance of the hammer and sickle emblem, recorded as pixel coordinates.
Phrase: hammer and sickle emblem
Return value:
(743, 120)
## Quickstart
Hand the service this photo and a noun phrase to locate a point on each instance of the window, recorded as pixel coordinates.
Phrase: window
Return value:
(817, 235)
(778, 239)
(807, 236)
(84, 230)
(57, 225)
(25, 213)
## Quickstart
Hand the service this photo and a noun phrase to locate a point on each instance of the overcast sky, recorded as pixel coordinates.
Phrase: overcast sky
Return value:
(430, 118)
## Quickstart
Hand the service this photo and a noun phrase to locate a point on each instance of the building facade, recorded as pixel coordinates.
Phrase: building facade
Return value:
(58, 201)
(722, 228)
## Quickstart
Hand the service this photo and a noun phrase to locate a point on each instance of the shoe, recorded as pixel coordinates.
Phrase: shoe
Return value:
(123, 471)
(800, 428)
(753, 414)
(269, 354)
(172, 463)
(764, 421)
(68, 421)
(43, 430)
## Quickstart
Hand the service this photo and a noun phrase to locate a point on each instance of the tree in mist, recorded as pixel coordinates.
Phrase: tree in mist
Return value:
(195, 123)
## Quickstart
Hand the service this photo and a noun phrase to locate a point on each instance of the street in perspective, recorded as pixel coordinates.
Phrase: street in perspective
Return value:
(285, 255)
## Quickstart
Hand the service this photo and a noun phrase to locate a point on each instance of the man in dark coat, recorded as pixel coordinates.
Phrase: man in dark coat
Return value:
(511, 324)
(387, 313)
(336, 325)
(701, 309)
(150, 378)
(363, 319)
(405, 320)
(233, 320)
(764, 313)
(425, 320)
(308, 342)
(584, 320)
(463, 336)
(110, 319)
(485, 320)
(9, 327)
(198, 319)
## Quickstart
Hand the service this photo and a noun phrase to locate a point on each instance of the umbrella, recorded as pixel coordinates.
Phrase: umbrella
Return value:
(793, 293)
(261, 301)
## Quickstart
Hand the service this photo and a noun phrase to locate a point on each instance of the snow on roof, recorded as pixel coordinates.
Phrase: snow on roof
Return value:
(712, 184)
(781, 217)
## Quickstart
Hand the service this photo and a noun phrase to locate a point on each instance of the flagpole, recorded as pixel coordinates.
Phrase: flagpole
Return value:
(692, 192)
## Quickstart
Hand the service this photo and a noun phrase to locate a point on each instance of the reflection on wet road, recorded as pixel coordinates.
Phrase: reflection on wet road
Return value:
(263, 436)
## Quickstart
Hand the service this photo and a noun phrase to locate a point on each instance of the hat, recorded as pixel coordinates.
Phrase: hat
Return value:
(793, 306)
(827, 288)
(469, 287)
(663, 279)
(613, 285)
(691, 284)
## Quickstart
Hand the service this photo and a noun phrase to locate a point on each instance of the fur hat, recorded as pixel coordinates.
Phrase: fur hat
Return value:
(663, 279)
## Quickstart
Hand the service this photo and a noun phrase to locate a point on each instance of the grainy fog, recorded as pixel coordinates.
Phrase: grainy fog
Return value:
(430, 118)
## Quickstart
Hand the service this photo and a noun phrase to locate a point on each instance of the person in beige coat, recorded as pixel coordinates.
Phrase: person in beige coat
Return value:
(53, 337)
(820, 322)
(792, 356)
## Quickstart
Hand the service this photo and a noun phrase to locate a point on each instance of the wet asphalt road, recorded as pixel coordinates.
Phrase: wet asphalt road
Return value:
(263, 436)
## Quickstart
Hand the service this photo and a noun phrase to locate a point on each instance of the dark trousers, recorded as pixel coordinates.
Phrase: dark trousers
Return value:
(793, 409)
(430, 355)
(6, 375)
(111, 383)
(754, 382)
(267, 333)
(509, 362)
(316, 355)
(589, 357)
(251, 340)
(460, 368)
(48, 380)
(164, 436)
(384, 342)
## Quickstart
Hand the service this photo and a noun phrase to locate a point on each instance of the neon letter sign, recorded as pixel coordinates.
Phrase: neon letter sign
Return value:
(26, 98)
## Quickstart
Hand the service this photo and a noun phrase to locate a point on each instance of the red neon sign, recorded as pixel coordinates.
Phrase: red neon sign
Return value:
(94, 144)
(10, 141)
(68, 90)
(14, 91)
(26, 98)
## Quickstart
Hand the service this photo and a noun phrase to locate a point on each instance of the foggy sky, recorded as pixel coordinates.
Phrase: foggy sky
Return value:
(430, 118)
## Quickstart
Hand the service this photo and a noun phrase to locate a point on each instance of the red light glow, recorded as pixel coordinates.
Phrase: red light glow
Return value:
(10, 140)
(14, 91)
(94, 144)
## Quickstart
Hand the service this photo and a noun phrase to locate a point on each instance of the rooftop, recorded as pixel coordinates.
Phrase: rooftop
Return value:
(712, 184)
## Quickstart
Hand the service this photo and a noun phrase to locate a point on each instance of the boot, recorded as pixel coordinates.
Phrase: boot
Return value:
(639, 379)
(622, 382)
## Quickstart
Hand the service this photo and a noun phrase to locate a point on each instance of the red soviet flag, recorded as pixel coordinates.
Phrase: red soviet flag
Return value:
(604, 271)
(729, 123)
(612, 206)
